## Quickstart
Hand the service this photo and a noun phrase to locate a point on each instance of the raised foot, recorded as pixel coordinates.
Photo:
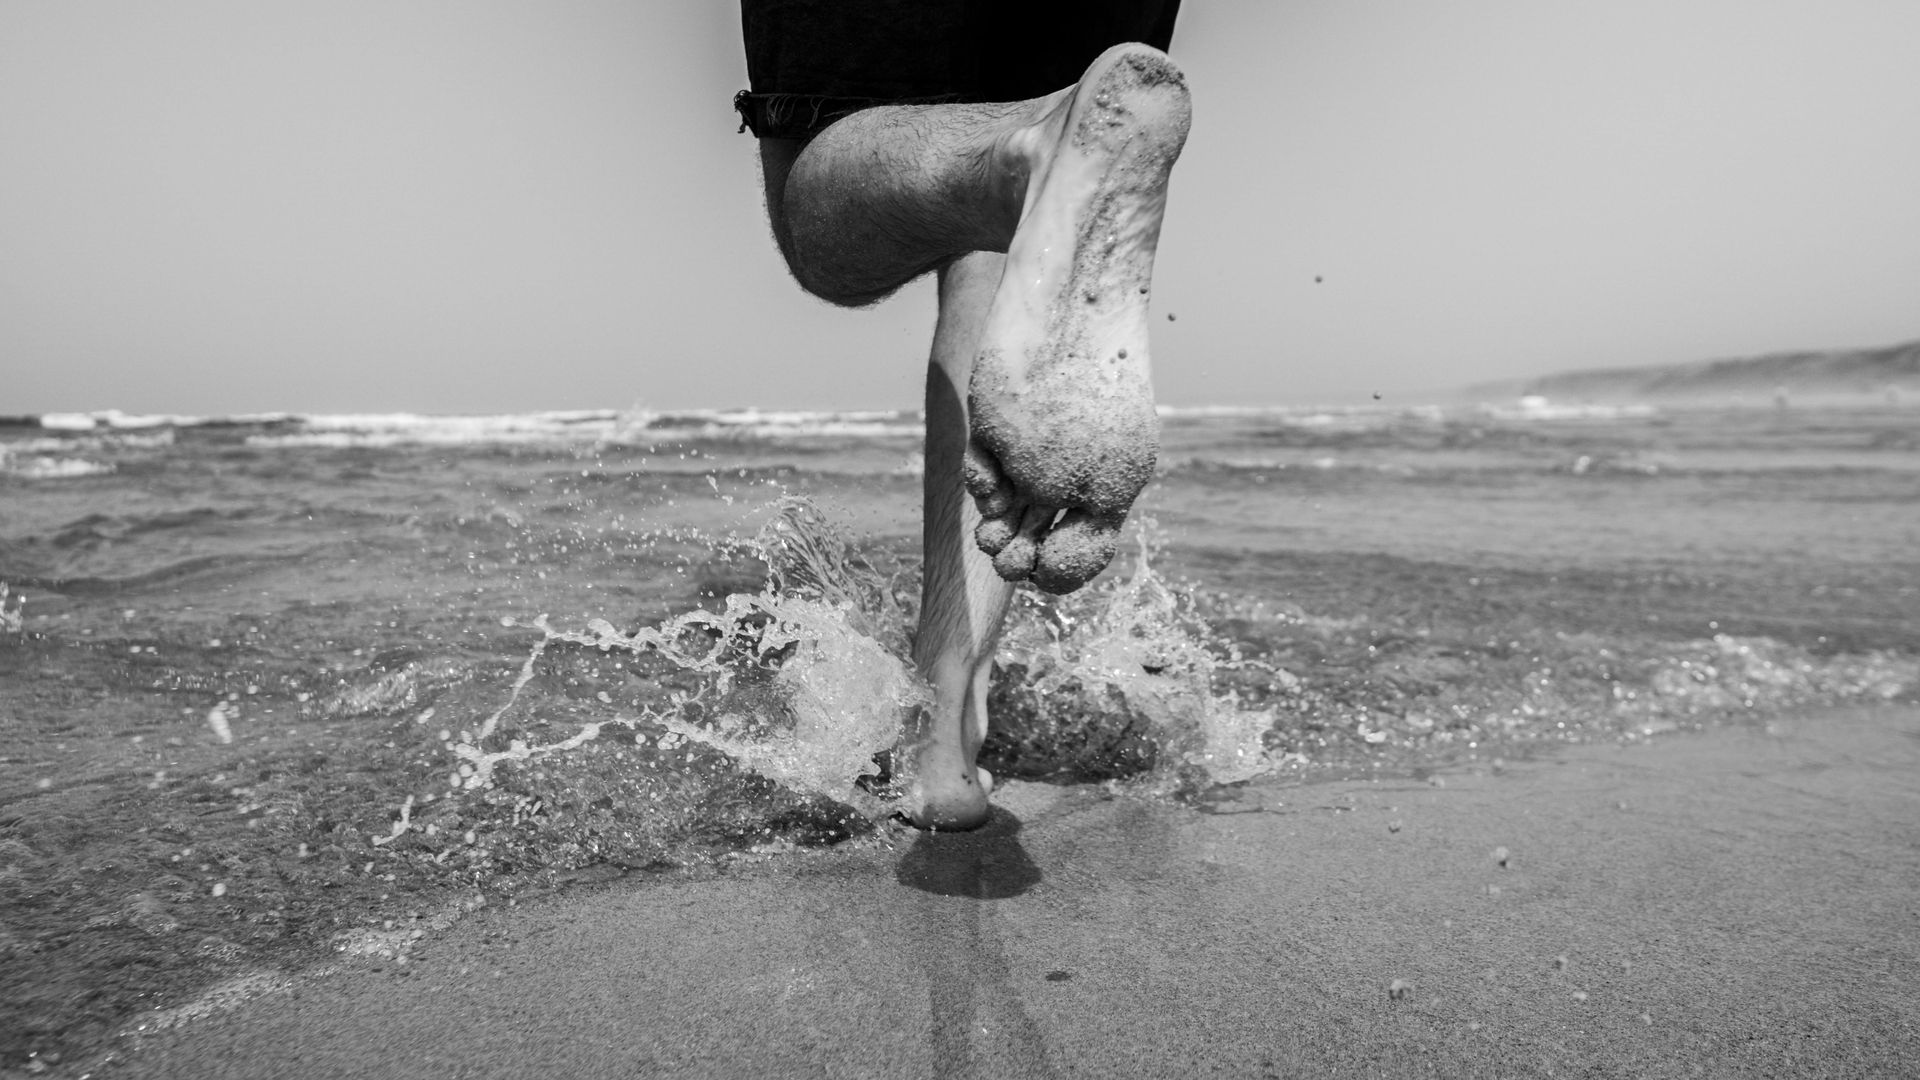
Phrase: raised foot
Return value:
(1062, 426)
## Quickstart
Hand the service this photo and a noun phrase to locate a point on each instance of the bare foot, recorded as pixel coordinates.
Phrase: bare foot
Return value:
(932, 789)
(945, 797)
(1063, 431)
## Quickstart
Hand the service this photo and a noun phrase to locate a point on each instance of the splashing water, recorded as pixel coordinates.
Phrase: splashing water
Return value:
(838, 695)
(807, 682)
(803, 683)
(1120, 679)
(767, 714)
(12, 608)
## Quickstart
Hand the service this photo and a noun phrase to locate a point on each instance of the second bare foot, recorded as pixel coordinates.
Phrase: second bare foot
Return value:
(1063, 429)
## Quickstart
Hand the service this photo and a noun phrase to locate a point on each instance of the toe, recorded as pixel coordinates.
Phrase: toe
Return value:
(994, 534)
(1014, 562)
(986, 483)
(1076, 549)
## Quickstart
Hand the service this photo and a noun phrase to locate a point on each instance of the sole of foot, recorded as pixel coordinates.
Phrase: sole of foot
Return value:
(1063, 433)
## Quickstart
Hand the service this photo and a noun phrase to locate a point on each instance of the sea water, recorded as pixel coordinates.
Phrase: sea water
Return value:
(269, 681)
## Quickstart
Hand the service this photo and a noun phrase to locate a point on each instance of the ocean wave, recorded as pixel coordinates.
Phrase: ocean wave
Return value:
(111, 418)
(111, 429)
(771, 424)
(379, 430)
(166, 575)
(1535, 407)
(584, 427)
(1347, 417)
(116, 420)
(1432, 411)
(45, 467)
(428, 423)
(1263, 465)
(58, 444)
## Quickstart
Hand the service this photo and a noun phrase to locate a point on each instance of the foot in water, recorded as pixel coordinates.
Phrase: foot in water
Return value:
(1062, 426)
(936, 792)
(949, 808)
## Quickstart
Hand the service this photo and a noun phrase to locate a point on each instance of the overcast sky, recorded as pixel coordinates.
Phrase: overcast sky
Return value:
(212, 207)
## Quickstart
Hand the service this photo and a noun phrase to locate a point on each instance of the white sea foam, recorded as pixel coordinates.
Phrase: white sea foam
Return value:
(770, 424)
(457, 425)
(646, 427)
(1344, 419)
(12, 610)
(119, 421)
(68, 422)
(415, 429)
(1298, 413)
(1370, 417)
(586, 427)
(1535, 407)
(53, 457)
(90, 443)
(43, 467)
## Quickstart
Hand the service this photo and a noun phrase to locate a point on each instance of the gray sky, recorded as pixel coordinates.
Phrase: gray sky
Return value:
(213, 207)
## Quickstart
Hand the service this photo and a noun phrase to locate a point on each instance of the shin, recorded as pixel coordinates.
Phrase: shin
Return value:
(962, 599)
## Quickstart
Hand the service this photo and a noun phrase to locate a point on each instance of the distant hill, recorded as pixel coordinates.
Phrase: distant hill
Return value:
(1884, 375)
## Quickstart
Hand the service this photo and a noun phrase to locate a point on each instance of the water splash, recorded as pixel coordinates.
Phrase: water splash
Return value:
(1122, 679)
(12, 610)
(803, 683)
(837, 696)
(766, 715)
(806, 682)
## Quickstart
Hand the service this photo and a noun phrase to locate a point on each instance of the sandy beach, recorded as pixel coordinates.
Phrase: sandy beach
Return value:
(1736, 903)
(508, 523)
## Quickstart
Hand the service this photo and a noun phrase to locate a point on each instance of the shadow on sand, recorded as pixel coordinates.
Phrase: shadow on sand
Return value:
(987, 863)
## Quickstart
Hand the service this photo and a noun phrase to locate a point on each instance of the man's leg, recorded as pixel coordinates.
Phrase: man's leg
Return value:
(891, 193)
(1057, 416)
(962, 600)
(1073, 187)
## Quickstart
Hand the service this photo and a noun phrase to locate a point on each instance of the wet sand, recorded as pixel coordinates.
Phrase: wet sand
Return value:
(1740, 902)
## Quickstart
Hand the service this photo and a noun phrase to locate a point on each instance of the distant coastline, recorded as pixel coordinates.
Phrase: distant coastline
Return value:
(1888, 375)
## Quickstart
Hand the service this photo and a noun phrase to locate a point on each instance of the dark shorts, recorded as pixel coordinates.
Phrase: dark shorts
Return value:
(811, 62)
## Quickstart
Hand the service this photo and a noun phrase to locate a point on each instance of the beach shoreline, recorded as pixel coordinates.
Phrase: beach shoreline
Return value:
(247, 677)
(1729, 902)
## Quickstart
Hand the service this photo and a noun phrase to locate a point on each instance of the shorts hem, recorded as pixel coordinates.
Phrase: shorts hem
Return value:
(802, 116)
